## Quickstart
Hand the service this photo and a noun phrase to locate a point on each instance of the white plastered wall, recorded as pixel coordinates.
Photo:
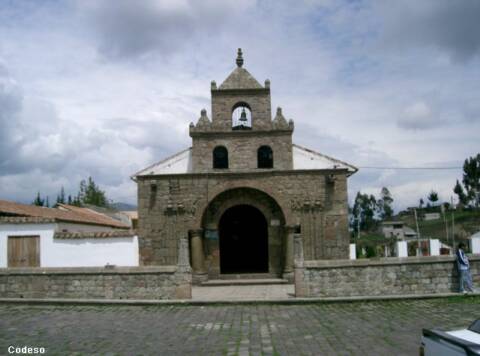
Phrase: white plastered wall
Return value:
(90, 252)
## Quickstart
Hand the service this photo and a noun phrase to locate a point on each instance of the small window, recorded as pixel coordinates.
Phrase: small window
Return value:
(265, 157)
(220, 157)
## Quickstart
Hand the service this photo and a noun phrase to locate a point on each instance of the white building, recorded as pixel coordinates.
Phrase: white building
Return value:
(66, 236)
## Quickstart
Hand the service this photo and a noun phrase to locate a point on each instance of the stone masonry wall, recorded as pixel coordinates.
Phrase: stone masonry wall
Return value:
(388, 276)
(169, 206)
(223, 102)
(242, 150)
(165, 282)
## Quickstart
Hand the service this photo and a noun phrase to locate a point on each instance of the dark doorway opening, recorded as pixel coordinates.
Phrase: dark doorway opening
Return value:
(243, 240)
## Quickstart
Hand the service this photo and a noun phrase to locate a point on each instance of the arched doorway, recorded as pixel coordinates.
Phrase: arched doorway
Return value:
(243, 232)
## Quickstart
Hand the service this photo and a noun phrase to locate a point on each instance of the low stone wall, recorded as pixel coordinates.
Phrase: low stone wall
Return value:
(375, 277)
(165, 282)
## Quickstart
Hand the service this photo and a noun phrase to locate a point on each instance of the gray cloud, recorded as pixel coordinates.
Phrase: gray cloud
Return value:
(449, 25)
(128, 29)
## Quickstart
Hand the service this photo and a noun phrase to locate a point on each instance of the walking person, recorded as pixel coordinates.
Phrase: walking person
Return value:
(464, 277)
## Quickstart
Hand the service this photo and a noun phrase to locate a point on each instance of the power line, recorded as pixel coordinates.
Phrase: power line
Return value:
(423, 168)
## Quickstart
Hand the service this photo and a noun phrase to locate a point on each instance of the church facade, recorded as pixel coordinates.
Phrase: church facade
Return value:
(242, 190)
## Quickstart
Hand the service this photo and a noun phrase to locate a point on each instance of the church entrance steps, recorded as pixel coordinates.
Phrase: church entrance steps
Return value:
(243, 282)
(231, 276)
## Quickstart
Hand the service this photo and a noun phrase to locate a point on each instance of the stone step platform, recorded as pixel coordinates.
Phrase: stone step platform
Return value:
(231, 276)
(243, 282)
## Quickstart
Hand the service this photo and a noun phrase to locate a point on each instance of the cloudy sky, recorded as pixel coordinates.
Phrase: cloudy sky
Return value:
(104, 88)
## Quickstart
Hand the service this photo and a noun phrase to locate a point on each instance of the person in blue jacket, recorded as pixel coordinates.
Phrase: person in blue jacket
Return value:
(465, 279)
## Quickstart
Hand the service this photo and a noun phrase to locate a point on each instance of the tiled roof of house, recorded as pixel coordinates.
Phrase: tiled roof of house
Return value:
(94, 235)
(25, 220)
(67, 213)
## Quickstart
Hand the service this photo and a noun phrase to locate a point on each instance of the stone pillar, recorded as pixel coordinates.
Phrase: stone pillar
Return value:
(353, 251)
(183, 275)
(434, 247)
(300, 287)
(198, 256)
(402, 249)
(288, 262)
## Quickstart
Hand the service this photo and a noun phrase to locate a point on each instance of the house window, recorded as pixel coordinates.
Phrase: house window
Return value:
(265, 157)
(23, 251)
(220, 157)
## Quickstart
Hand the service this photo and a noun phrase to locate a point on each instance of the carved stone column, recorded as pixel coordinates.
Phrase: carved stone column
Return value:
(183, 276)
(288, 262)
(198, 257)
(300, 286)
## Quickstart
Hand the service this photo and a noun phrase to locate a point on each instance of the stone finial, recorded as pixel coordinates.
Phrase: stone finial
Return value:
(203, 121)
(267, 83)
(279, 121)
(213, 85)
(239, 58)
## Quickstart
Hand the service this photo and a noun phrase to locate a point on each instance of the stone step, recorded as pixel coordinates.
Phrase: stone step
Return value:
(231, 276)
(243, 282)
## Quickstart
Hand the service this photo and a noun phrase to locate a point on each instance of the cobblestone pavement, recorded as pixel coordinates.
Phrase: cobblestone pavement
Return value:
(356, 328)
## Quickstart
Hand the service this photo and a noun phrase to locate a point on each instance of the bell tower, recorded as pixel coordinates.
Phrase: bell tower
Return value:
(241, 121)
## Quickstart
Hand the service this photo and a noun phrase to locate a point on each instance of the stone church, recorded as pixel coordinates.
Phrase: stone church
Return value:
(242, 190)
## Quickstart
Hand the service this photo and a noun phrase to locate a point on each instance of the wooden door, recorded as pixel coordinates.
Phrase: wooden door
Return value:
(24, 251)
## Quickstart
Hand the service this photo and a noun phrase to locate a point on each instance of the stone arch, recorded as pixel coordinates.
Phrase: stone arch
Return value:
(220, 188)
(246, 254)
(242, 116)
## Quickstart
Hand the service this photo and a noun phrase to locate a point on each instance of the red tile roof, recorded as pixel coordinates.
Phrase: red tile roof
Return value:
(94, 235)
(67, 213)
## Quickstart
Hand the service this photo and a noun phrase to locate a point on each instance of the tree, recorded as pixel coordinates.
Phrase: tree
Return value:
(471, 179)
(364, 211)
(91, 194)
(421, 202)
(384, 204)
(462, 197)
(433, 197)
(38, 201)
(61, 196)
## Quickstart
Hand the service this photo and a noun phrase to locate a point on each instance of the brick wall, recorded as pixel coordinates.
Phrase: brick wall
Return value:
(372, 277)
(166, 282)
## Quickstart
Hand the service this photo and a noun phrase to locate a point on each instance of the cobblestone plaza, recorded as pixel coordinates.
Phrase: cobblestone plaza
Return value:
(354, 328)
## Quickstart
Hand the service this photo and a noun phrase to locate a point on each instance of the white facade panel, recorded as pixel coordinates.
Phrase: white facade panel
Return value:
(84, 252)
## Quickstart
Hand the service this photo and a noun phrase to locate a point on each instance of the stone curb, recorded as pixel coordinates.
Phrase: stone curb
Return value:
(193, 302)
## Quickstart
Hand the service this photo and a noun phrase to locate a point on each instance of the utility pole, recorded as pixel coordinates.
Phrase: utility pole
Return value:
(418, 232)
(443, 210)
(453, 223)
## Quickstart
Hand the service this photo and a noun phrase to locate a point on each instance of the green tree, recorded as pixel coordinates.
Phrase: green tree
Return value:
(462, 197)
(421, 203)
(38, 201)
(471, 179)
(363, 211)
(91, 194)
(61, 196)
(433, 197)
(384, 204)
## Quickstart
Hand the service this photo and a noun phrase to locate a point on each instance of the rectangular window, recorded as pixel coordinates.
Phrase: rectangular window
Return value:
(24, 251)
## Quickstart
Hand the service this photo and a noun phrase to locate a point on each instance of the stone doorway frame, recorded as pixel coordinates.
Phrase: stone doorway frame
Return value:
(200, 263)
